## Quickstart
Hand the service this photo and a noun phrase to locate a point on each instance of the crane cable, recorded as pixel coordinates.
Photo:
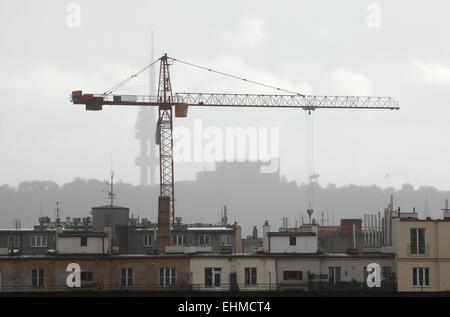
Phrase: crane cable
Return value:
(108, 92)
(309, 156)
(236, 77)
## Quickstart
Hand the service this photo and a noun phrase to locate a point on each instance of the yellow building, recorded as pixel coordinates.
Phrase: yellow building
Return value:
(423, 254)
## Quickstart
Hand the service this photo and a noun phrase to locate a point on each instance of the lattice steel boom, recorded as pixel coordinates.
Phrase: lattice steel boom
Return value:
(307, 102)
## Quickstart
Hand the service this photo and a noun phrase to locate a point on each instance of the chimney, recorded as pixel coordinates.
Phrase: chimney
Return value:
(42, 221)
(446, 211)
(163, 233)
(266, 230)
(255, 232)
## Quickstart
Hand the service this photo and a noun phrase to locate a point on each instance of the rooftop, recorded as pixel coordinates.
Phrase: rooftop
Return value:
(210, 228)
(203, 255)
(291, 233)
(110, 207)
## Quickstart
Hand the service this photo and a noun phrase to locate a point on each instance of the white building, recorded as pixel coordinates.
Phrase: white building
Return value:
(290, 241)
(83, 242)
(222, 273)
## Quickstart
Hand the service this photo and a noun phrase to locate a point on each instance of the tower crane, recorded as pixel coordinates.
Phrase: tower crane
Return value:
(167, 101)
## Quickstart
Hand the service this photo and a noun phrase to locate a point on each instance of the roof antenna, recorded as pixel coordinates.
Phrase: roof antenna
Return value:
(58, 214)
(111, 194)
(225, 218)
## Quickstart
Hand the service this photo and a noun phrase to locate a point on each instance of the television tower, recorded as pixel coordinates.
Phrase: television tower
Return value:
(145, 134)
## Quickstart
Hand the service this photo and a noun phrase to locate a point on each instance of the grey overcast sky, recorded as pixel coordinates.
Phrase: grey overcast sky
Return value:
(388, 48)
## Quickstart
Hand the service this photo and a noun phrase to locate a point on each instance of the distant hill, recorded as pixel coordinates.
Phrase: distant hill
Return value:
(251, 197)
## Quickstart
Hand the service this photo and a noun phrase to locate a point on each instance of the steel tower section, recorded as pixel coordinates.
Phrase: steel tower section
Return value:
(164, 134)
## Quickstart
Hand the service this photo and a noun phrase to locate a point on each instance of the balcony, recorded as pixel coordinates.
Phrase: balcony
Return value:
(188, 249)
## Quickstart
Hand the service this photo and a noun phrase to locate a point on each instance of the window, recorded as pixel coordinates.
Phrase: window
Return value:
(293, 275)
(13, 241)
(38, 241)
(386, 272)
(212, 276)
(292, 241)
(167, 276)
(126, 277)
(225, 240)
(250, 275)
(421, 277)
(148, 240)
(37, 277)
(84, 241)
(417, 241)
(86, 276)
(204, 240)
(208, 276)
(334, 275)
(178, 240)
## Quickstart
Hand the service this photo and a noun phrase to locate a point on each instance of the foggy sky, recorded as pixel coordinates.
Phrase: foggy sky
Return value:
(320, 47)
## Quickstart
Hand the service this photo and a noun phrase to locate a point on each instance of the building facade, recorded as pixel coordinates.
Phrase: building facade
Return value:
(26, 241)
(423, 255)
(233, 273)
(49, 273)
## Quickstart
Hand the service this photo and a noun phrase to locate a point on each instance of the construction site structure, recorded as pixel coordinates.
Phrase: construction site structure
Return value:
(167, 101)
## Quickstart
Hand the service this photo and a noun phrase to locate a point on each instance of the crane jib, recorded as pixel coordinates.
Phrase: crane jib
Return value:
(183, 100)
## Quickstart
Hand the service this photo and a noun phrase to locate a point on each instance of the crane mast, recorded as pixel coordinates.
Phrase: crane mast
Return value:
(165, 137)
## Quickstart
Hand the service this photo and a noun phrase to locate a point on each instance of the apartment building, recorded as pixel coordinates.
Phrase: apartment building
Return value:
(186, 238)
(423, 254)
(331, 270)
(421, 247)
(243, 272)
(98, 272)
(26, 241)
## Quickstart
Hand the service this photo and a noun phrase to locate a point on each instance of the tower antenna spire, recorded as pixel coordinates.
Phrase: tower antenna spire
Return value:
(111, 194)
(58, 214)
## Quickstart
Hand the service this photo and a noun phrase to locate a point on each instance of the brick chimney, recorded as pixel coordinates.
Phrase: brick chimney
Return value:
(163, 233)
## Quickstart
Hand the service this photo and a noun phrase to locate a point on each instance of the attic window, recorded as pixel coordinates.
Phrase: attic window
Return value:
(292, 241)
(84, 241)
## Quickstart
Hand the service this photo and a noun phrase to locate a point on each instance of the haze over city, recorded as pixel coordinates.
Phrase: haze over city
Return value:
(45, 137)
